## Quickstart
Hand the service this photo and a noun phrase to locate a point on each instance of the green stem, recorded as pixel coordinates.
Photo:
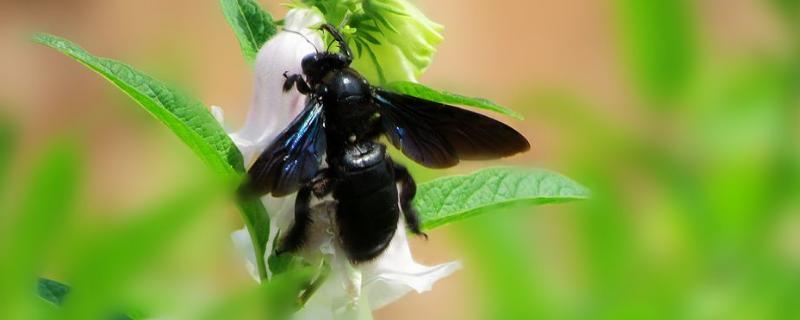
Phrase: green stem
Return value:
(257, 223)
(312, 288)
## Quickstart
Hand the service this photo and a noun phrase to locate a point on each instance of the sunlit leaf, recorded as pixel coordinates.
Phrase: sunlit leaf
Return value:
(189, 119)
(455, 198)
(421, 91)
(252, 25)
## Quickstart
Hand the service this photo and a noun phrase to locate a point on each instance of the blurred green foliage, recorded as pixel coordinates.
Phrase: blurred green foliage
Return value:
(8, 139)
(694, 213)
(46, 203)
(657, 39)
(187, 117)
(105, 260)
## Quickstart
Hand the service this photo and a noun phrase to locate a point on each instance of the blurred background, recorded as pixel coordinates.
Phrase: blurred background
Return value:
(680, 116)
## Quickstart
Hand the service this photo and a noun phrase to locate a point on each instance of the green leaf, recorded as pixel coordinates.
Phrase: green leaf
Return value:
(55, 292)
(421, 91)
(52, 290)
(252, 25)
(189, 119)
(455, 198)
(657, 38)
(281, 263)
(257, 223)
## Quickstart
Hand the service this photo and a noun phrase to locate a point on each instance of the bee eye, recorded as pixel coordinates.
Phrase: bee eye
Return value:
(308, 62)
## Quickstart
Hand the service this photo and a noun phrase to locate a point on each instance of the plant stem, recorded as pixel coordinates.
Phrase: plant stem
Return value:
(258, 228)
(312, 288)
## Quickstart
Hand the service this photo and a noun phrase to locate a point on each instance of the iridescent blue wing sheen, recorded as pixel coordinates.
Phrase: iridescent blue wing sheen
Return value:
(293, 158)
(437, 135)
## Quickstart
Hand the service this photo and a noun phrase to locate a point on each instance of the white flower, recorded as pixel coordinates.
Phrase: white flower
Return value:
(350, 291)
(272, 109)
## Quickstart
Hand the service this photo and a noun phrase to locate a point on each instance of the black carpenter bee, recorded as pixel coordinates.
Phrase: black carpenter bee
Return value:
(342, 120)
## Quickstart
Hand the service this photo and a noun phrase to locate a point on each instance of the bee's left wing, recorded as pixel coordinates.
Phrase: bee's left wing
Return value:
(293, 158)
(437, 135)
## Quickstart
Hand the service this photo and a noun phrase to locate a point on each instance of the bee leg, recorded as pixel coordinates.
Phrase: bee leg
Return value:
(297, 233)
(295, 79)
(322, 184)
(408, 189)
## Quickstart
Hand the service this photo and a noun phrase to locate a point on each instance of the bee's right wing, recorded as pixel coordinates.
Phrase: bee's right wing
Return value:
(437, 135)
(293, 158)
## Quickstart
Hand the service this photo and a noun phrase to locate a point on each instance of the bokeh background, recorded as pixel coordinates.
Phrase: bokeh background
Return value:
(680, 116)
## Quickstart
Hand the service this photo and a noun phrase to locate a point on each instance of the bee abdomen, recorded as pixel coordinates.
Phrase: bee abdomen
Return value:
(367, 212)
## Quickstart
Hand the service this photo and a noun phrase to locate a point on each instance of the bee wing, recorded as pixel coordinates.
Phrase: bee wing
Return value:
(293, 158)
(437, 135)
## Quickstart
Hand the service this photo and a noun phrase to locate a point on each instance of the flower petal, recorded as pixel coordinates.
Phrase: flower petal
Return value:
(244, 245)
(395, 273)
(219, 115)
(380, 282)
(281, 215)
(272, 109)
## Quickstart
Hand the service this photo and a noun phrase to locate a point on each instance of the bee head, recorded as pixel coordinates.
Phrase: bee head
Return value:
(316, 65)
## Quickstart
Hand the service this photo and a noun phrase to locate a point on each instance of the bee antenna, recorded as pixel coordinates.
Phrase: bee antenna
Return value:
(304, 37)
